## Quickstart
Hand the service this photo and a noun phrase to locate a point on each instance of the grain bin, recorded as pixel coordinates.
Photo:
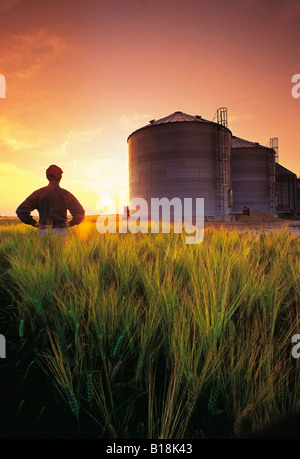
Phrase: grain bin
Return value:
(286, 189)
(253, 175)
(182, 156)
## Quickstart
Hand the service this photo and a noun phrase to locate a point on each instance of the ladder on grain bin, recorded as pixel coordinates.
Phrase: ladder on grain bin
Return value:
(273, 144)
(222, 158)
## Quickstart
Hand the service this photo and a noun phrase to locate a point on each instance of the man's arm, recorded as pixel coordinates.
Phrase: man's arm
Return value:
(76, 210)
(24, 209)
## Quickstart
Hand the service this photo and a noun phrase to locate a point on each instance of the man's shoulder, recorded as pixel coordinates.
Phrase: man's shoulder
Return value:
(68, 195)
(66, 192)
(38, 191)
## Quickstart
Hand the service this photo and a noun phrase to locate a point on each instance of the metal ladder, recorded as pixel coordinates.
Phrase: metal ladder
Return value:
(222, 158)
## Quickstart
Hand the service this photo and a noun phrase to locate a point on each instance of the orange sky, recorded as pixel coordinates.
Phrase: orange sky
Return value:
(81, 75)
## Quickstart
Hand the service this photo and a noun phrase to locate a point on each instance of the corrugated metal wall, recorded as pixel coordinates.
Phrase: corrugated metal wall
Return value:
(178, 159)
(286, 189)
(253, 176)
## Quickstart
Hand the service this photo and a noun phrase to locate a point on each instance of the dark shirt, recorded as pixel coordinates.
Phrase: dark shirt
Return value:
(52, 203)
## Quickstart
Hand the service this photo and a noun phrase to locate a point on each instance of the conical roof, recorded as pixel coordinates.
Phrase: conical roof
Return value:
(176, 117)
(280, 170)
(238, 142)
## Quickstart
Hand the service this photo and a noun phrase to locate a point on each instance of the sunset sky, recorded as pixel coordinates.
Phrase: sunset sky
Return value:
(81, 75)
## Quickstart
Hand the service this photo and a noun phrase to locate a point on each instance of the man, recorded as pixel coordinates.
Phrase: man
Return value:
(52, 203)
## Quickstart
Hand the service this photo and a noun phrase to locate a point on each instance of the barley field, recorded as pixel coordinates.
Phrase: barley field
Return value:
(143, 336)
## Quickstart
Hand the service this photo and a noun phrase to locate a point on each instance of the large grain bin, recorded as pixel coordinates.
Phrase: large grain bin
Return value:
(253, 175)
(286, 189)
(182, 156)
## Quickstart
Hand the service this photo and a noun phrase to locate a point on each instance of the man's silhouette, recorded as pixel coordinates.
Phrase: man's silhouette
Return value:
(52, 203)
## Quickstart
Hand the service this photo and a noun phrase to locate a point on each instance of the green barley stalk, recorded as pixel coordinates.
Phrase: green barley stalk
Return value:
(179, 300)
(242, 419)
(102, 353)
(139, 367)
(214, 394)
(117, 346)
(140, 429)
(89, 388)
(116, 369)
(73, 403)
(76, 334)
(231, 330)
(21, 328)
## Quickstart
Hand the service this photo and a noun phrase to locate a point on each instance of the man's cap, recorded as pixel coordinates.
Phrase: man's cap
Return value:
(54, 171)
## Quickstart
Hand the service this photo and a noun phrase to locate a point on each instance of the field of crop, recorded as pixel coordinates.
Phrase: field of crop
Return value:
(143, 336)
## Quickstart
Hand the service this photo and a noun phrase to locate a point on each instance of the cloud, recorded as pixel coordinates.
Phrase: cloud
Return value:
(16, 136)
(26, 54)
(9, 169)
(87, 135)
(98, 174)
(7, 5)
(289, 9)
(130, 121)
(74, 166)
(15, 185)
(244, 117)
(276, 11)
(68, 139)
(78, 140)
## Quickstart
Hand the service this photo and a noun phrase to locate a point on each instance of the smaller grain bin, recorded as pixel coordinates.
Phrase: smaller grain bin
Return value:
(286, 189)
(253, 176)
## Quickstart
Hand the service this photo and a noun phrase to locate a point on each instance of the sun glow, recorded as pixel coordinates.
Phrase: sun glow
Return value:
(107, 201)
